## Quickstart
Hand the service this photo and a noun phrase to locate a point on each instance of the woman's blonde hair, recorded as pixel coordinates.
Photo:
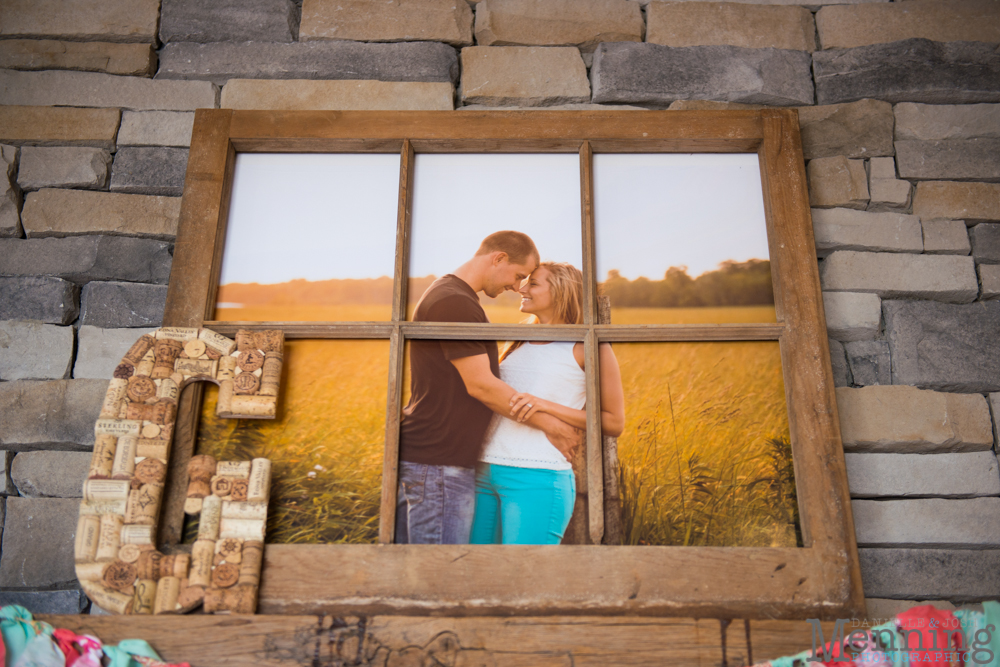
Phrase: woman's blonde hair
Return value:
(566, 284)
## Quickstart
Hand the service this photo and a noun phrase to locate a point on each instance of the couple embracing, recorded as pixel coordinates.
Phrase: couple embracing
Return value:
(487, 439)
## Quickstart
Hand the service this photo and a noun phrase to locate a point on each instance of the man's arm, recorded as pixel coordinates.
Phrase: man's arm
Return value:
(495, 394)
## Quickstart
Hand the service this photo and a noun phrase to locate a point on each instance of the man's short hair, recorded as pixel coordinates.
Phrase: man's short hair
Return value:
(518, 246)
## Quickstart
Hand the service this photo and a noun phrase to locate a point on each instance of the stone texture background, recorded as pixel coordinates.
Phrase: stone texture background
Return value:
(899, 104)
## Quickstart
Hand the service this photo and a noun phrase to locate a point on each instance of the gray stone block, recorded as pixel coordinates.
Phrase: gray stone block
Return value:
(994, 400)
(35, 351)
(955, 574)
(81, 259)
(892, 275)
(949, 159)
(228, 21)
(50, 474)
(113, 305)
(636, 73)
(946, 237)
(149, 171)
(944, 346)
(929, 122)
(930, 523)
(985, 239)
(98, 351)
(989, 281)
(911, 70)
(58, 414)
(156, 128)
(858, 129)
(92, 89)
(921, 475)
(838, 359)
(870, 363)
(219, 62)
(10, 194)
(72, 601)
(38, 543)
(7, 487)
(63, 167)
(50, 300)
(3, 518)
(852, 316)
(847, 229)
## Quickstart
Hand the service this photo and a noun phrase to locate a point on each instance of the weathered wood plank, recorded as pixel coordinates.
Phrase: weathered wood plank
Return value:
(325, 641)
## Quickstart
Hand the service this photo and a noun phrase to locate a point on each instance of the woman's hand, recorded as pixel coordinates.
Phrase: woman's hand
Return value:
(523, 405)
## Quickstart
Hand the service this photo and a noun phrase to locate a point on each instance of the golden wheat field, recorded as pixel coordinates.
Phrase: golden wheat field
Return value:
(705, 457)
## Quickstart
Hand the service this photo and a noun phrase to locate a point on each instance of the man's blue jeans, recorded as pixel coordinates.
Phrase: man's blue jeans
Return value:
(435, 504)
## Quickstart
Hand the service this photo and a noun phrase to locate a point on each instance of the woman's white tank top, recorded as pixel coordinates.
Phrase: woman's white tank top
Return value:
(548, 371)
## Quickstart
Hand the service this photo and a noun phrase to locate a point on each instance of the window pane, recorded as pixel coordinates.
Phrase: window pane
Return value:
(682, 238)
(459, 200)
(705, 455)
(310, 237)
(326, 444)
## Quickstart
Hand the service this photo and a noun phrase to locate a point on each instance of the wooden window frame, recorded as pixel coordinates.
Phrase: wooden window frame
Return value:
(822, 578)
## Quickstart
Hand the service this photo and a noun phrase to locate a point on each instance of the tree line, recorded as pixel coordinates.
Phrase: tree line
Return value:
(732, 284)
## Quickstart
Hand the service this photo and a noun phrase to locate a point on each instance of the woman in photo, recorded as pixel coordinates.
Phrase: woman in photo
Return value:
(525, 488)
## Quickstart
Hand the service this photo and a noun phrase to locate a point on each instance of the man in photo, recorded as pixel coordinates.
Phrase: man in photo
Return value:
(455, 388)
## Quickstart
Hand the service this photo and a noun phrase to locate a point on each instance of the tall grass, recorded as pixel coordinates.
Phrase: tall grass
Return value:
(705, 459)
(326, 445)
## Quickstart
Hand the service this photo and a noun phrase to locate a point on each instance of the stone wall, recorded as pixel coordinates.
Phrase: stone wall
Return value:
(899, 104)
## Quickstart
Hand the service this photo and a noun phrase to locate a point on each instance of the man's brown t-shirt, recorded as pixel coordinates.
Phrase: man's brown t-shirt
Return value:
(443, 424)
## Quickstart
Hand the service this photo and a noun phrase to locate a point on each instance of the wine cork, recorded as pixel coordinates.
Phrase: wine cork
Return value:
(227, 369)
(144, 505)
(198, 367)
(225, 403)
(168, 390)
(249, 361)
(245, 341)
(113, 398)
(244, 510)
(260, 481)
(140, 388)
(211, 514)
(90, 571)
(120, 576)
(102, 461)
(194, 348)
(106, 598)
(182, 334)
(239, 490)
(143, 369)
(270, 340)
(180, 564)
(230, 549)
(202, 554)
(129, 553)
(233, 468)
(148, 564)
(244, 529)
(117, 427)
(110, 538)
(167, 591)
(137, 534)
(221, 486)
(150, 471)
(211, 354)
(153, 449)
(253, 559)
(190, 596)
(97, 490)
(88, 530)
(192, 506)
(155, 414)
(123, 371)
(237, 600)
(225, 575)
(145, 596)
(201, 467)
(166, 353)
(138, 351)
(125, 453)
(253, 406)
(217, 342)
(99, 508)
(246, 384)
(270, 379)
